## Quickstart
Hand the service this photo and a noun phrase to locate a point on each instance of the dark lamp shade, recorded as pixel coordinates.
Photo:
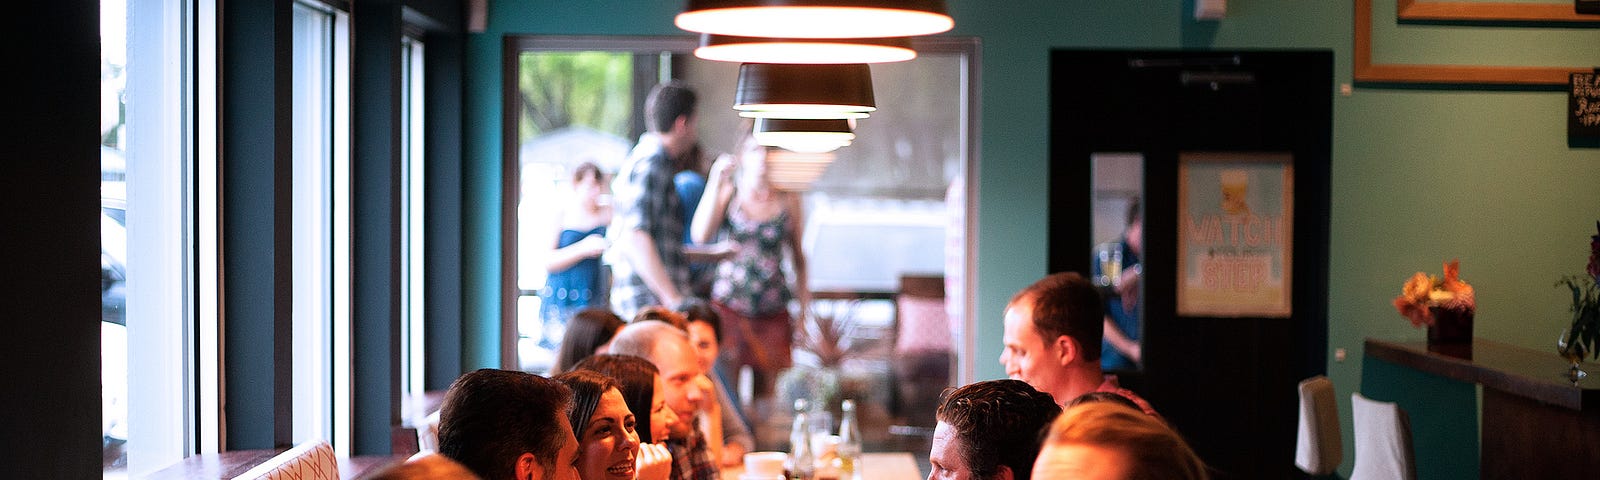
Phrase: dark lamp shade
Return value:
(726, 48)
(816, 18)
(775, 90)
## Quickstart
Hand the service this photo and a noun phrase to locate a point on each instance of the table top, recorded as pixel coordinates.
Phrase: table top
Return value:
(225, 465)
(1535, 374)
(875, 466)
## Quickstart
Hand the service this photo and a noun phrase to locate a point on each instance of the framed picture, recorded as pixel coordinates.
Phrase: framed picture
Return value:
(1235, 234)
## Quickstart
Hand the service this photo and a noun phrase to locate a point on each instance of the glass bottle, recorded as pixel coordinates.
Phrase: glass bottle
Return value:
(849, 443)
(802, 463)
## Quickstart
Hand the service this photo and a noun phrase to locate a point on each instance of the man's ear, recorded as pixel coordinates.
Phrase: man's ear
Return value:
(1066, 350)
(1003, 472)
(528, 467)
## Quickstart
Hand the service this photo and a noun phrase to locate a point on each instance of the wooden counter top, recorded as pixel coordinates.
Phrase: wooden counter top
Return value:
(1534, 374)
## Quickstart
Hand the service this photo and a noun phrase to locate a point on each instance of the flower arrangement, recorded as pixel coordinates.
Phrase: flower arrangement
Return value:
(1582, 338)
(1423, 293)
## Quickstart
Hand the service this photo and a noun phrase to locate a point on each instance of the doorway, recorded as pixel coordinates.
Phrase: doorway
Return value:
(1226, 381)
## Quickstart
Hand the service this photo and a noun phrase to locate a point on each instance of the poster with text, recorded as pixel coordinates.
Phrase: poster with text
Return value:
(1235, 233)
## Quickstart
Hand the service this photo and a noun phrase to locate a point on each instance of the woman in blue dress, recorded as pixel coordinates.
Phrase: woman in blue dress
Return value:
(575, 281)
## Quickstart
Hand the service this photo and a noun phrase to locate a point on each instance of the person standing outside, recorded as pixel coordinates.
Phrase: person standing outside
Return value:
(576, 238)
(751, 292)
(1121, 348)
(648, 224)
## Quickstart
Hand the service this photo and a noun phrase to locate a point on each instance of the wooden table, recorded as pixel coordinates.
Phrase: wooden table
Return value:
(226, 465)
(875, 465)
(1535, 422)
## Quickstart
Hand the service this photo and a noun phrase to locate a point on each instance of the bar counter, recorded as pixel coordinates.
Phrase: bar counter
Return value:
(1536, 423)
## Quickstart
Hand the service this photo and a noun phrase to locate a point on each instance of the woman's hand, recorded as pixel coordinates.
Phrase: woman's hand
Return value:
(722, 171)
(592, 246)
(653, 462)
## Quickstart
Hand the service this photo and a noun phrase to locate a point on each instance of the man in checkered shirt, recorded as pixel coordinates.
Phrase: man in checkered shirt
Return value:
(650, 267)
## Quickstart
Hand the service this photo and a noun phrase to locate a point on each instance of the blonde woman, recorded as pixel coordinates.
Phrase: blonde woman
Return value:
(751, 291)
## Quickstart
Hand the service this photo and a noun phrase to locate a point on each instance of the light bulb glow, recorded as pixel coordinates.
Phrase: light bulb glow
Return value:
(805, 53)
(814, 22)
(806, 142)
(804, 111)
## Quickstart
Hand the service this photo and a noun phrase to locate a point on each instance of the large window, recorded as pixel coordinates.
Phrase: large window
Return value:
(321, 233)
(413, 162)
(147, 190)
(886, 226)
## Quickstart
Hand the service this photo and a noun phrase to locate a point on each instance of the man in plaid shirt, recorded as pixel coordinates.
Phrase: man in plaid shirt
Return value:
(648, 222)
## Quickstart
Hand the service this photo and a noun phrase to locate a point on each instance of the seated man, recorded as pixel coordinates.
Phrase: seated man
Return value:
(990, 430)
(1052, 339)
(682, 380)
(1101, 440)
(506, 425)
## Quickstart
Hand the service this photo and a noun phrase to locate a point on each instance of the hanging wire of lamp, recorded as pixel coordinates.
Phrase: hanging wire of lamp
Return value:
(816, 18)
(727, 48)
(822, 91)
(804, 135)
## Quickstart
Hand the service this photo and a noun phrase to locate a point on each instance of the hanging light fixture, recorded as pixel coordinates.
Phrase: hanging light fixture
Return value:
(727, 48)
(816, 18)
(775, 90)
(804, 136)
(796, 171)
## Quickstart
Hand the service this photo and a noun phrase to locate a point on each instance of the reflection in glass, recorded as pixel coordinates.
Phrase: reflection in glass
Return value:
(1118, 232)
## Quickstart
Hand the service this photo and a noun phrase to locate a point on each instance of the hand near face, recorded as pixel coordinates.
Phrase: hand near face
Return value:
(654, 462)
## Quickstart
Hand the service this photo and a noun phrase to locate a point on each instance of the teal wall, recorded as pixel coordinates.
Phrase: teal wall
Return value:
(1420, 176)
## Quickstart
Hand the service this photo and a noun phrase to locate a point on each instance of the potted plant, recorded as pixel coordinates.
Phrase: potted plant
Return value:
(1582, 336)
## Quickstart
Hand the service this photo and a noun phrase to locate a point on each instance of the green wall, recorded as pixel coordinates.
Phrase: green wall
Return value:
(1420, 176)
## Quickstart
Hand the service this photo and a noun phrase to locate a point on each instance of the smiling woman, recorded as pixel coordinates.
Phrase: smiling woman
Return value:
(608, 444)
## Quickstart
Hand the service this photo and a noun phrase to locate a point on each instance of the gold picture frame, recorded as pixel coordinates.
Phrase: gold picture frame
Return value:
(1415, 10)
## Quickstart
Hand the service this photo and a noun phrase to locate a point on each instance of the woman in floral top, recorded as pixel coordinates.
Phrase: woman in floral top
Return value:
(751, 291)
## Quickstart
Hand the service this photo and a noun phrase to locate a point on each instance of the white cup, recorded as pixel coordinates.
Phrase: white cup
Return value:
(764, 463)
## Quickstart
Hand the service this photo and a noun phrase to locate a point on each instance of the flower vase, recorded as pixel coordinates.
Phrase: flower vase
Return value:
(1451, 332)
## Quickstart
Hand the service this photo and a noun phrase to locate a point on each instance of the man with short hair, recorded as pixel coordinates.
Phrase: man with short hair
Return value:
(648, 219)
(669, 349)
(1052, 339)
(506, 425)
(990, 431)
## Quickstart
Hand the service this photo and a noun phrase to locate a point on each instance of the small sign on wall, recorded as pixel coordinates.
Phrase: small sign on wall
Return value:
(1583, 109)
(1591, 7)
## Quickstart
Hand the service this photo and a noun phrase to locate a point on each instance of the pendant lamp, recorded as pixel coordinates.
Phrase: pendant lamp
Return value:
(776, 90)
(727, 48)
(804, 136)
(816, 18)
(795, 171)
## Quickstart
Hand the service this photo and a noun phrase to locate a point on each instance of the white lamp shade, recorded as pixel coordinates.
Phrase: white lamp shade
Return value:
(816, 18)
(804, 50)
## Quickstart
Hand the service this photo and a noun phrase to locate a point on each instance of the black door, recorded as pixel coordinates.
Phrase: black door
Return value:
(1227, 384)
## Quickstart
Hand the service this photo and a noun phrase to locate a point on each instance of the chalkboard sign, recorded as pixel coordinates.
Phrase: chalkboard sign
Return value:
(1583, 107)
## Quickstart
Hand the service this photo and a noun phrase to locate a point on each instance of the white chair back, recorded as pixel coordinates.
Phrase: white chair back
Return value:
(1319, 447)
(1383, 441)
(428, 434)
(312, 460)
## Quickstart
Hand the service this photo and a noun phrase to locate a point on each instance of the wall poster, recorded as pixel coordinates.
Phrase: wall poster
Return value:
(1235, 234)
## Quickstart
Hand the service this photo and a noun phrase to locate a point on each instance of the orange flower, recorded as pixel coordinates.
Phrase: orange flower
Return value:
(1422, 292)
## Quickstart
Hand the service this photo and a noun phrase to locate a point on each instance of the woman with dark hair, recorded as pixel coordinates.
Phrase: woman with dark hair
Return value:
(576, 237)
(589, 330)
(640, 383)
(608, 446)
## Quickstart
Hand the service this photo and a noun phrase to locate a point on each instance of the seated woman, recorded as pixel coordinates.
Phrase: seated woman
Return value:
(608, 446)
(588, 333)
(642, 389)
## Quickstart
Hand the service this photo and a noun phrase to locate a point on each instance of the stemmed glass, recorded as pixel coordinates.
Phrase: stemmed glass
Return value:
(1573, 353)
